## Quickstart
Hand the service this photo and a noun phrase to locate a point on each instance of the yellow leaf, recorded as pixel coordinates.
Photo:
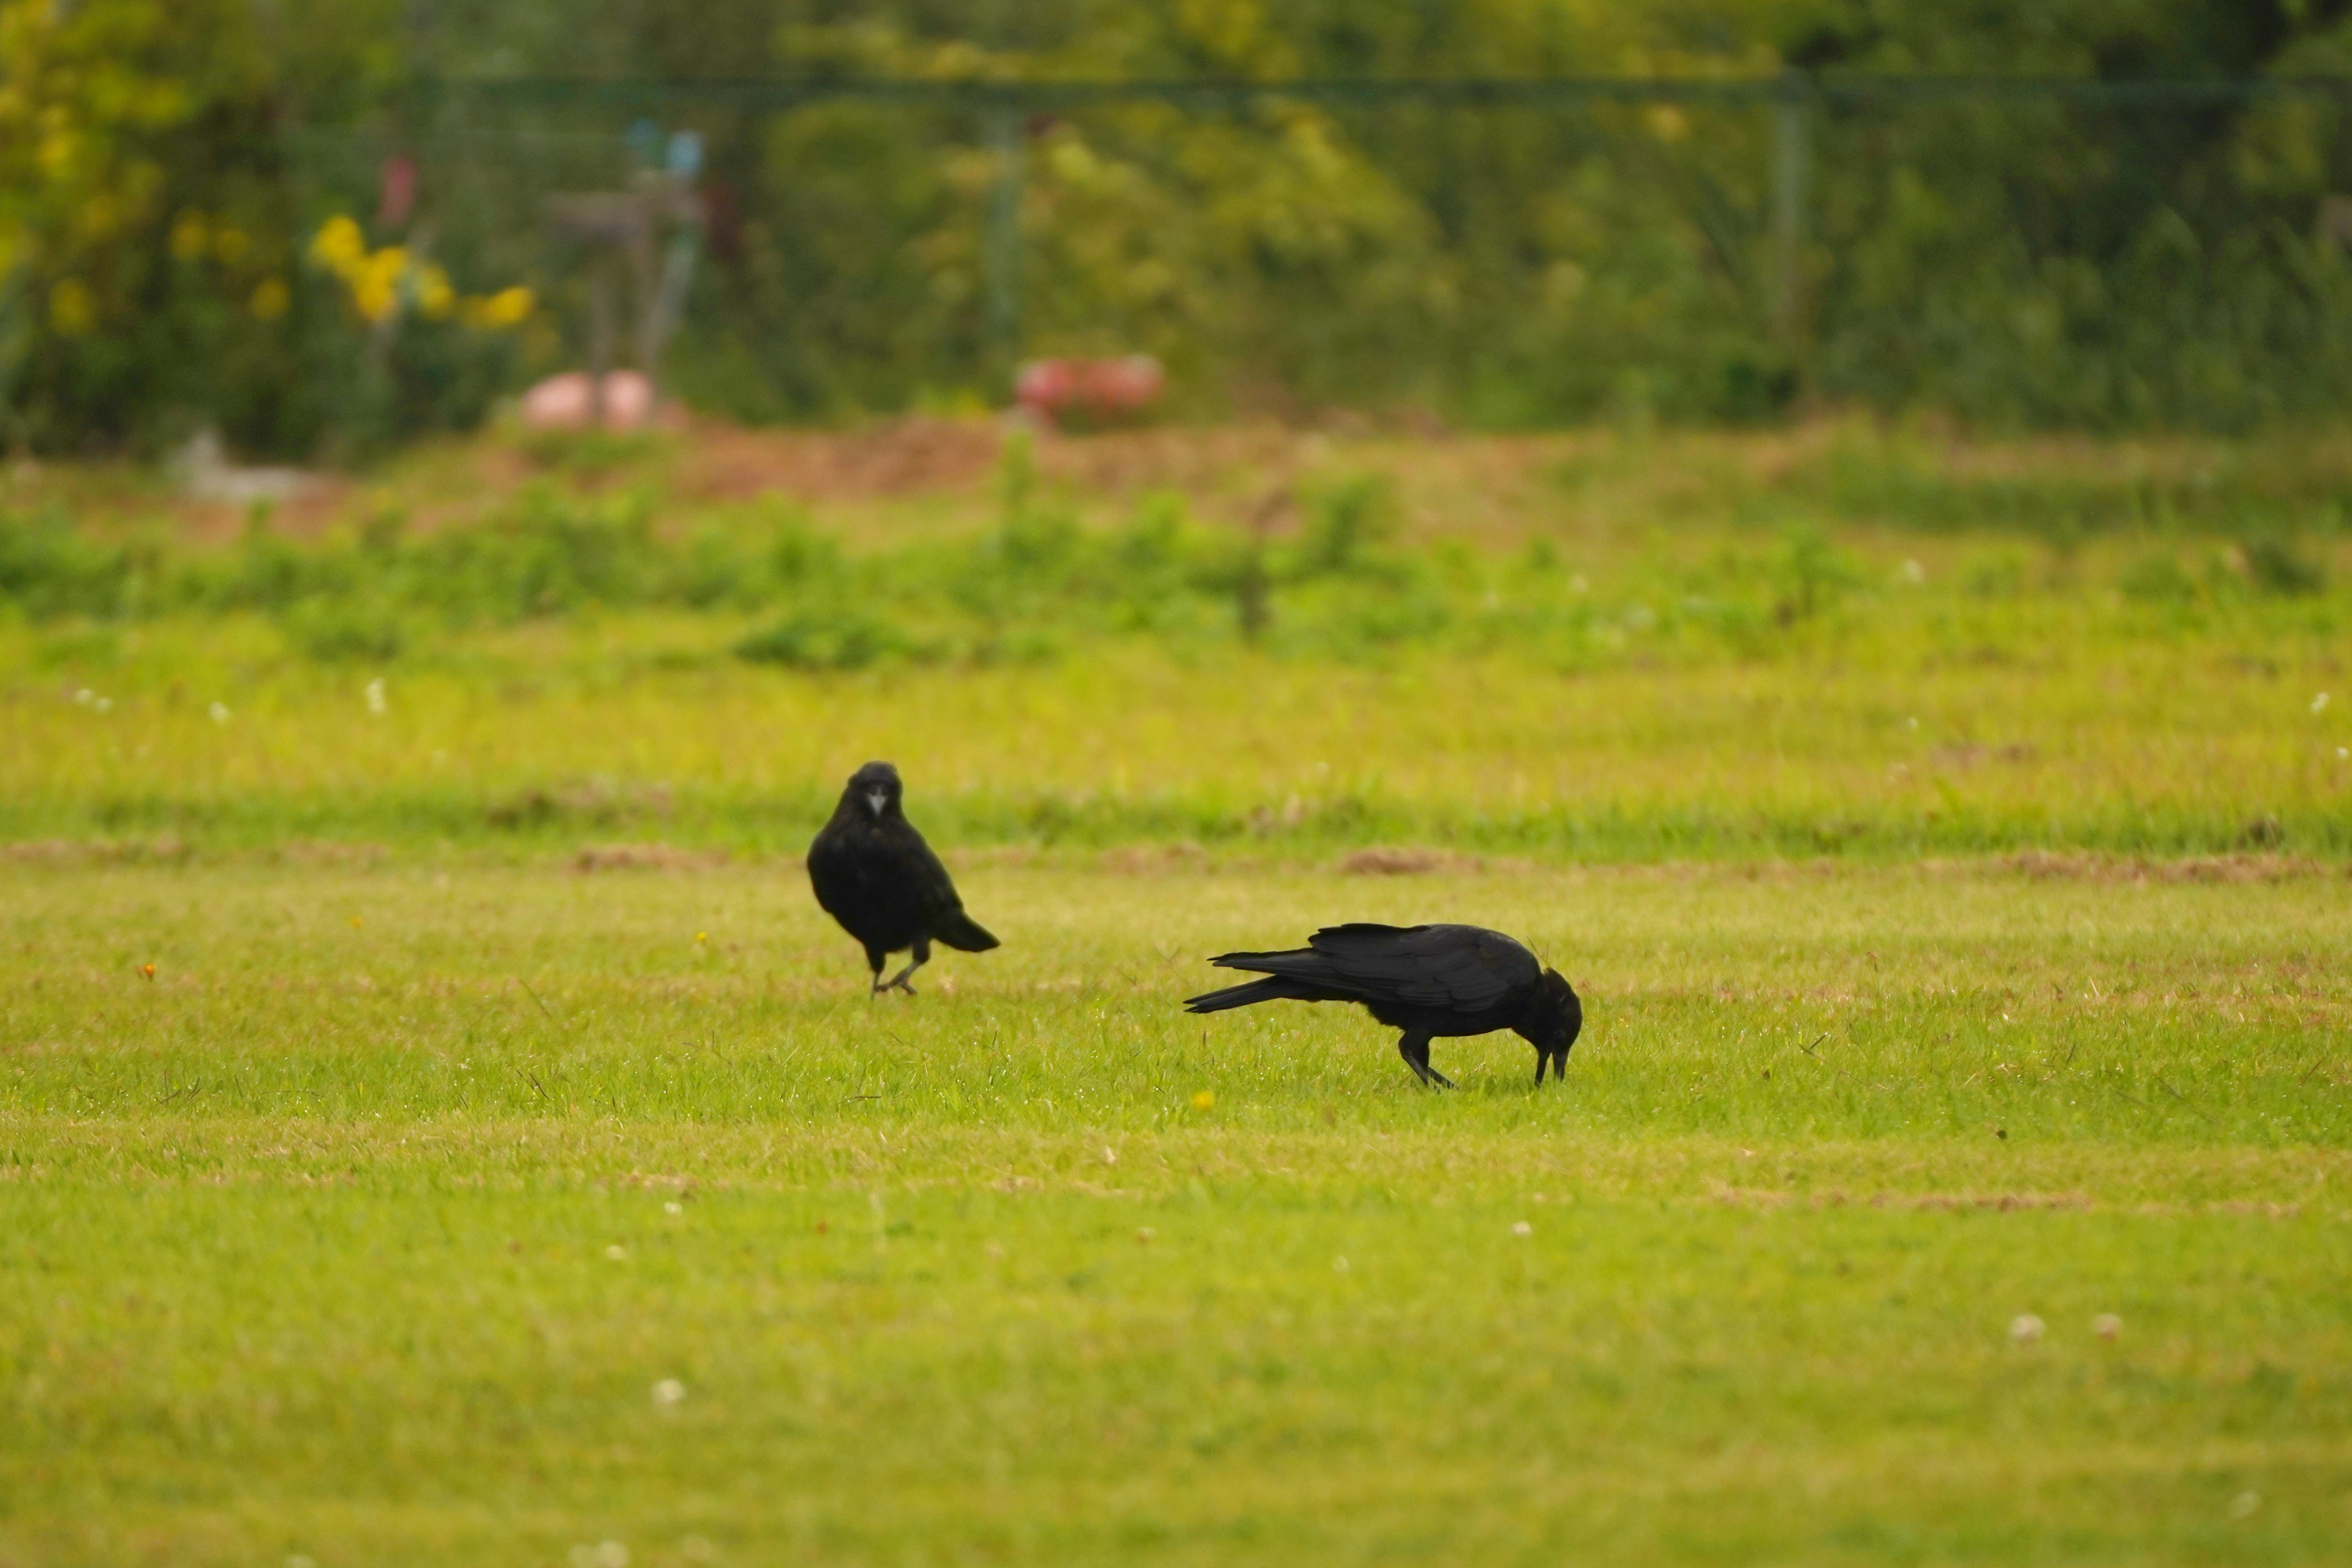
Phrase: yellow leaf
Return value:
(188, 236)
(71, 309)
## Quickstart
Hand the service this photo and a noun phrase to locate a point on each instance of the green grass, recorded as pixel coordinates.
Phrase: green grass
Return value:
(1604, 649)
(1949, 839)
(1890, 743)
(307, 1237)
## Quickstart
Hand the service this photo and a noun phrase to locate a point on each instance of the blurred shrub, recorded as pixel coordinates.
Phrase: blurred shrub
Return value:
(827, 637)
(339, 631)
(158, 272)
(1809, 575)
(48, 569)
(2159, 579)
(2274, 566)
(1037, 585)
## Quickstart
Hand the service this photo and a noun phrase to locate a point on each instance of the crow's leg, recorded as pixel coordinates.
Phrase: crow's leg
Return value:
(875, 958)
(914, 960)
(1559, 1066)
(1414, 1049)
(1407, 1044)
(1543, 1060)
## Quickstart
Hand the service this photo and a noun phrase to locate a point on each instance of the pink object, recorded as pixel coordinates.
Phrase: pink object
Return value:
(397, 182)
(1059, 389)
(561, 402)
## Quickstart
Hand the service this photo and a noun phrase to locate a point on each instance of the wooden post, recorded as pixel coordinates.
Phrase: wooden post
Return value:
(1002, 241)
(1792, 175)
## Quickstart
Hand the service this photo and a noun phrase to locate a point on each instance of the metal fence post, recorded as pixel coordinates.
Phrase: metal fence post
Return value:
(1792, 175)
(1001, 242)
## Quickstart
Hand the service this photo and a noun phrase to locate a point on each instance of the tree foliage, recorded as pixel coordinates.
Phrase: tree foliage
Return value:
(2010, 260)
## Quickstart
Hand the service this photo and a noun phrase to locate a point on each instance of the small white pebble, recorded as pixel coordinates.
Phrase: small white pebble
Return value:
(85, 696)
(2243, 1506)
(219, 710)
(2025, 1328)
(2106, 1325)
(2318, 705)
(1110, 1156)
(617, 1253)
(668, 1391)
(104, 704)
(673, 1206)
(1339, 1264)
(376, 703)
(1523, 1228)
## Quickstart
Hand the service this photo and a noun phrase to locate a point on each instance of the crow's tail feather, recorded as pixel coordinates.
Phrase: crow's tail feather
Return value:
(963, 934)
(1273, 988)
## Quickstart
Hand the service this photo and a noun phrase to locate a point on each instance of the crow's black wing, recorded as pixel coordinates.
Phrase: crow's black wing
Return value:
(1460, 968)
(1467, 968)
(925, 876)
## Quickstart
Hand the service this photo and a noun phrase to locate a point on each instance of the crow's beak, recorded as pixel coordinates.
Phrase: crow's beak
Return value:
(876, 799)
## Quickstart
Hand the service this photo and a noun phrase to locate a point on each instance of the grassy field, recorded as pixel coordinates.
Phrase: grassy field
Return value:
(1629, 649)
(371, 1227)
(437, 1125)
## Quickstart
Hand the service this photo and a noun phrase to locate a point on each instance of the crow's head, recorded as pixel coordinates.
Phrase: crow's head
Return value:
(874, 790)
(1555, 1017)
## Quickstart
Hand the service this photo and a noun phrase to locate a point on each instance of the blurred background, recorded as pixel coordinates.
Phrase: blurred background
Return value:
(1707, 426)
(321, 228)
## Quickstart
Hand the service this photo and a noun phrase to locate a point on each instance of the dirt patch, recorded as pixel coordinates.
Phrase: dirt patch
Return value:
(1994, 1202)
(329, 852)
(58, 852)
(1145, 860)
(896, 458)
(920, 456)
(1402, 861)
(645, 858)
(2044, 865)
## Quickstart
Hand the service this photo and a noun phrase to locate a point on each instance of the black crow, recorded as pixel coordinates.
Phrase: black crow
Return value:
(873, 872)
(1425, 980)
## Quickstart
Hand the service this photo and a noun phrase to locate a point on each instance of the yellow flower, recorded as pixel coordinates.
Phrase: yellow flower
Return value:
(230, 245)
(270, 297)
(71, 309)
(1202, 1100)
(375, 282)
(507, 308)
(340, 246)
(188, 236)
(435, 298)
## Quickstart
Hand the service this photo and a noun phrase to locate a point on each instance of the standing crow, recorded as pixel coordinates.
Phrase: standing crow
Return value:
(1425, 980)
(874, 873)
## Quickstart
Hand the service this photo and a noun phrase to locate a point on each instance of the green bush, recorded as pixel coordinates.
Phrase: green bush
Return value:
(48, 569)
(2276, 565)
(829, 638)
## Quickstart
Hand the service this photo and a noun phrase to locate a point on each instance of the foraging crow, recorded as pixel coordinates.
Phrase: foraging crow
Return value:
(873, 872)
(1425, 980)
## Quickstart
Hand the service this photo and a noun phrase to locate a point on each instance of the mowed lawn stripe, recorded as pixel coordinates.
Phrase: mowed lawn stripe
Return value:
(371, 1226)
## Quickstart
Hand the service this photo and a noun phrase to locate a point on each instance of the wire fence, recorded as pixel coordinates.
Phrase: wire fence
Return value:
(2023, 249)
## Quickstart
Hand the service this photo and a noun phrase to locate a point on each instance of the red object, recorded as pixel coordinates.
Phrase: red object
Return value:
(397, 191)
(1090, 389)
